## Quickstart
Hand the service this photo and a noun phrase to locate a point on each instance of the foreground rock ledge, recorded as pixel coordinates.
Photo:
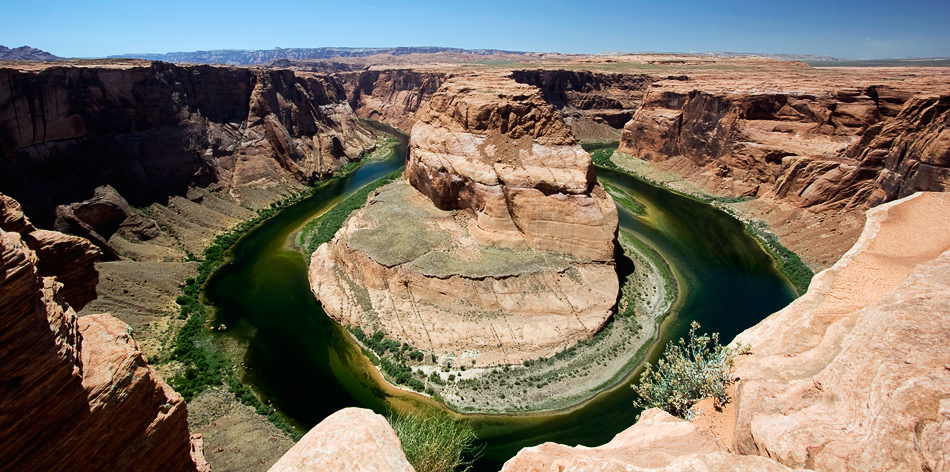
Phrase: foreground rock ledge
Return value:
(855, 375)
(78, 394)
(350, 439)
(852, 376)
(500, 247)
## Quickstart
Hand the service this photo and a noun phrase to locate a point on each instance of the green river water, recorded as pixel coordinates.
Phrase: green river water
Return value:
(307, 367)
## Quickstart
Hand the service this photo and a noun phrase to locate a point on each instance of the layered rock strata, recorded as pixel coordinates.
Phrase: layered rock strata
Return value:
(70, 259)
(152, 130)
(658, 442)
(595, 105)
(393, 96)
(78, 394)
(498, 247)
(847, 144)
(496, 149)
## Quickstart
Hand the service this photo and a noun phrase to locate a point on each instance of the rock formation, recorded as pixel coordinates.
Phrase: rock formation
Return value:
(68, 258)
(832, 146)
(501, 248)
(78, 394)
(98, 218)
(657, 442)
(851, 376)
(391, 96)
(854, 374)
(350, 439)
(593, 104)
(152, 130)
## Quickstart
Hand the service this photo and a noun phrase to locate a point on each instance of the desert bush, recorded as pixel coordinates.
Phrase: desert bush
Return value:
(687, 373)
(434, 442)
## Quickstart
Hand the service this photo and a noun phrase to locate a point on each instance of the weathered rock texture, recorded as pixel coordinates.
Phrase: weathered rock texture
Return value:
(350, 439)
(522, 265)
(68, 258)
(593, 104)
(845, 144)
(391, 96)
(495, 148)
(852, 376)
(77, 392)
(855, 375)
(152, 130)
(658, 441)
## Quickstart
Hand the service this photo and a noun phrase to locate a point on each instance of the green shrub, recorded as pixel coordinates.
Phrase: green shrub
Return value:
(434, 442)
(687, 373)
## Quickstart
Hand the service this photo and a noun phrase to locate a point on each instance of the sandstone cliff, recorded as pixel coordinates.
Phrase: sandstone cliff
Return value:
(391, 96)
(152, 130)
(851, 376)
(70, 259)
(827, 147)
(78, 394)
(854, 374)
(501, 250)
(595, 105)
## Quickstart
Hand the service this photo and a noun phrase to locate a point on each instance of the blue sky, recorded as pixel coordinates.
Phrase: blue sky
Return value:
(855, 29)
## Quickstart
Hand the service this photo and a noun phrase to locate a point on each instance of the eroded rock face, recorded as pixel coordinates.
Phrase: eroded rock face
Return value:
(350, 439)
(78, 392)
(152, 130)
(854, 374)
(658, 441)
(847, 144)
(497, 149)
(395, 97)
(70, 259)
(501, 250)
(430, 284)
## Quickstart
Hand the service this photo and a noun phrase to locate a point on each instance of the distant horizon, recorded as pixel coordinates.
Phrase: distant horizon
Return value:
(846, 29)
(512, 51)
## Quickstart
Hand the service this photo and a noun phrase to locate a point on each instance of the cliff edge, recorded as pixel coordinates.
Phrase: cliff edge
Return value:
(78, 393)
(851, 376)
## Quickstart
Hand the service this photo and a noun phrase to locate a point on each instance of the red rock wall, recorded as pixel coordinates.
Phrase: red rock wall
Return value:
(151, 130)
(68, 258)
(391, 96)
(76, 394)
(607, 98)
(841, 146)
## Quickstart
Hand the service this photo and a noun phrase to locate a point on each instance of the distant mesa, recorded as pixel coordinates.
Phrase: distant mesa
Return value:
(26, 53)
(243, 57)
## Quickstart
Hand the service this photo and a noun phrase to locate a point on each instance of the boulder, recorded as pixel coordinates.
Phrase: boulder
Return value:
(350, 439)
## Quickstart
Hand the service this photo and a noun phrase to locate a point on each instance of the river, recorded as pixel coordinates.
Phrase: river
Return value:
(306, 366)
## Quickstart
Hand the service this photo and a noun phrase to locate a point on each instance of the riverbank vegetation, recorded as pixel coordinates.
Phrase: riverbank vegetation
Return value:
(434, 441)
(788, 263)
(322, 229)
(200, 361)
